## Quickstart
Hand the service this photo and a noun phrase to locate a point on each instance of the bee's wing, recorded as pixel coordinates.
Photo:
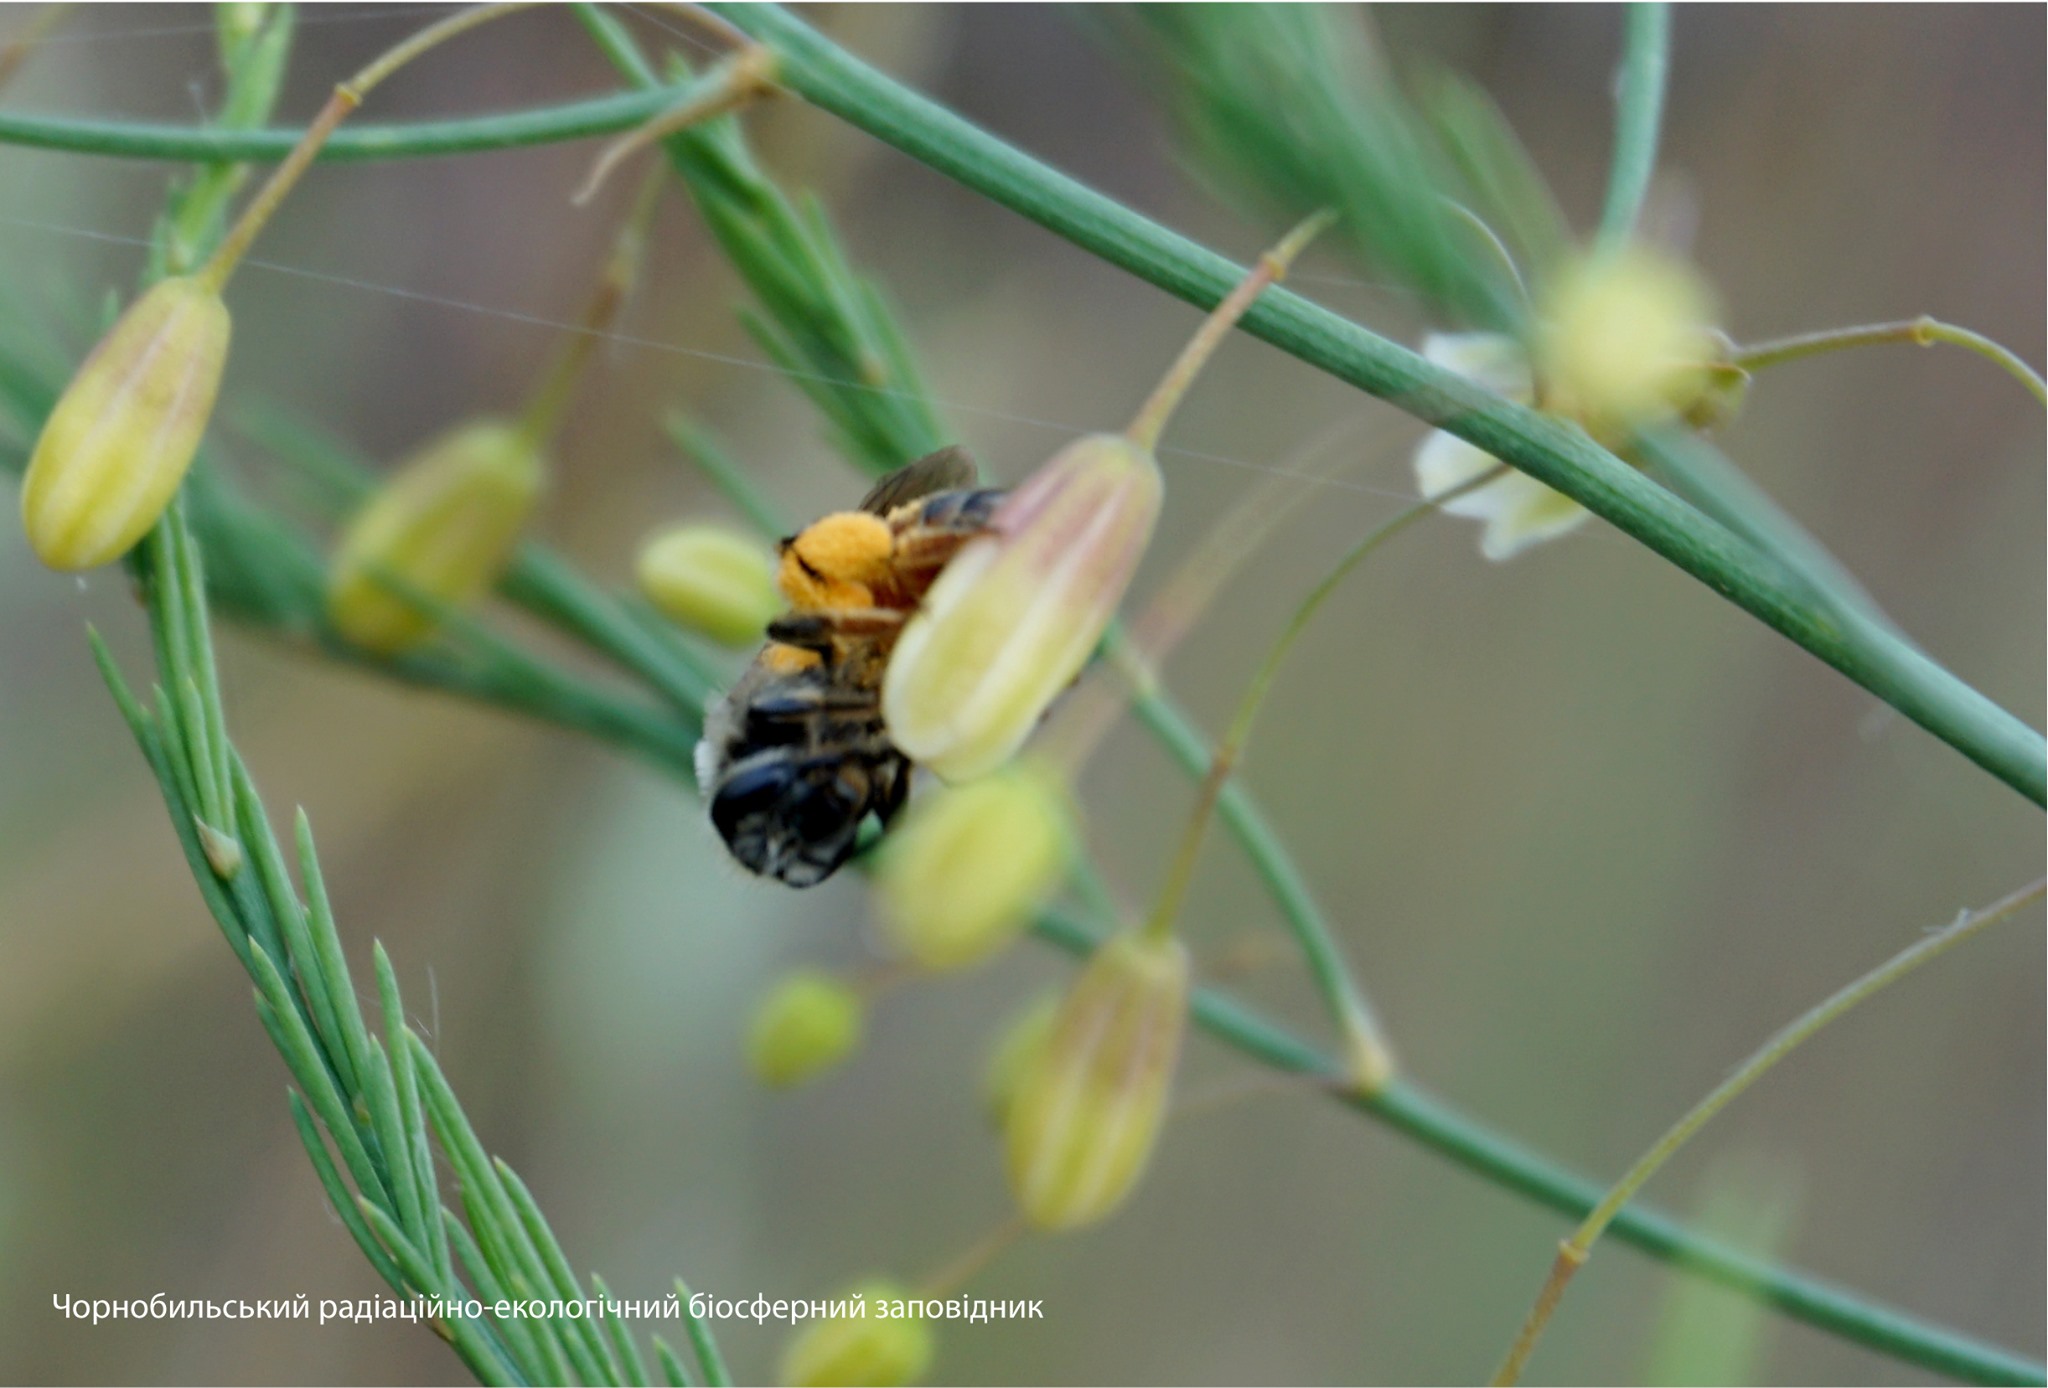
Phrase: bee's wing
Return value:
(949, 469)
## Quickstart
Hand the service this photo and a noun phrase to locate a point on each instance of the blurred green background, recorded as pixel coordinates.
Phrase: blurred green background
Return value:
(1589, 832)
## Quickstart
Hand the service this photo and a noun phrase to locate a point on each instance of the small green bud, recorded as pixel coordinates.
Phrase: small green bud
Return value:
(711, 581)
(1017, 1048)
(443, 526)
(1090, 1104)
(960, 874)
(808, 1024)
(860, 1350)
(122, 435)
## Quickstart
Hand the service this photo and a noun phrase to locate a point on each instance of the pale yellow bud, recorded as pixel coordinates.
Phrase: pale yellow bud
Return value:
(712, 581)
(122, 435)
(1090, 1104)
(874, 1350)
(1016, 613)
(1626, 339)
(961, 872)
(1016, 1049)
(442, 526)
(808, 1024)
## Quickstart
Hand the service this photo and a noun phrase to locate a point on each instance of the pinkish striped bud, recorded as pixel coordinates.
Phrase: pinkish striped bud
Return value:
(1087, 1109)
(118, 443)
(1016, 613)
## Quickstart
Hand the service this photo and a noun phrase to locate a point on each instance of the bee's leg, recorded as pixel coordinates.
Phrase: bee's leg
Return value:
(892, 780)
(820, 631)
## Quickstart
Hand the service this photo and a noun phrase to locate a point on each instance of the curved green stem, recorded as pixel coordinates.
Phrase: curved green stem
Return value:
(1438, 1125)
(347, 97)
(1371, 1059)
(1921, 332)
(1639, 111)
(1574, 1252)
(1550, 450)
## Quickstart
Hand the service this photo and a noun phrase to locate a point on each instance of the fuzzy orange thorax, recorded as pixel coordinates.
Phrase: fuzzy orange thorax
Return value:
(837, 562)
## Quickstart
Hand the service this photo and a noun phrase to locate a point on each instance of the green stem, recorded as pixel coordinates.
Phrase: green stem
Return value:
(542, 417)
(1639, 111)
(1547, 450)
(1550, 450)
(347, 96)
(1920, 332)
(1152, 417)
(1372, 1059)
(542, 125)
(1574, 1252)
(1420, 1115)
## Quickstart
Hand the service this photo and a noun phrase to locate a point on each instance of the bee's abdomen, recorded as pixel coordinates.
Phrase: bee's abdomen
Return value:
(802, 764)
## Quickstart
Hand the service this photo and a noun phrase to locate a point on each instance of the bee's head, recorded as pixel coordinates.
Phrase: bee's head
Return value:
(836, 562)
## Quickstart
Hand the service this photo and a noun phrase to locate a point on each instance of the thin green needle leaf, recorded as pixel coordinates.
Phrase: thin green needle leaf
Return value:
(493, 1217)
(339, 1196)
(380, 1100)
(331, 964)
(1639, 113)
(520, 1335)
(672, 1365)
(290, 916)
(702, 1342)
(625, 1353)
(418, 1217)
(561, 1276)
(295, 1043)
(724, 472)
(463, 1334)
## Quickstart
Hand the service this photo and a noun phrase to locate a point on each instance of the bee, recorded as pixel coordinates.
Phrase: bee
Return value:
(795, 756)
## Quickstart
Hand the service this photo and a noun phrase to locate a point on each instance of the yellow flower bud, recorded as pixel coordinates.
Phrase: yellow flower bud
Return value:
(1090, 1104)
(712, 581)
(961, 872)
(808, 1023)
(115, 448)
(1017, 1048)
(855, 1350)
(1626, 338)
(443, 526)
(1016, 613)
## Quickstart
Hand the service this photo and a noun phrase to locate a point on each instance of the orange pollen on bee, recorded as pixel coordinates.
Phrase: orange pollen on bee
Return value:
(837, 562)
(787, 660)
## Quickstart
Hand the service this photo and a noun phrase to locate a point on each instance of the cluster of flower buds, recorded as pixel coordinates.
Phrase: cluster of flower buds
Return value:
(711, 580)
(1080, 1090)
(1623, 341)
(808, 1024)
(866, 1349)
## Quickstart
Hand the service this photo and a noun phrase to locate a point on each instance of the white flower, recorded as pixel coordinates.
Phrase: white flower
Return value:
(1518, 510)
